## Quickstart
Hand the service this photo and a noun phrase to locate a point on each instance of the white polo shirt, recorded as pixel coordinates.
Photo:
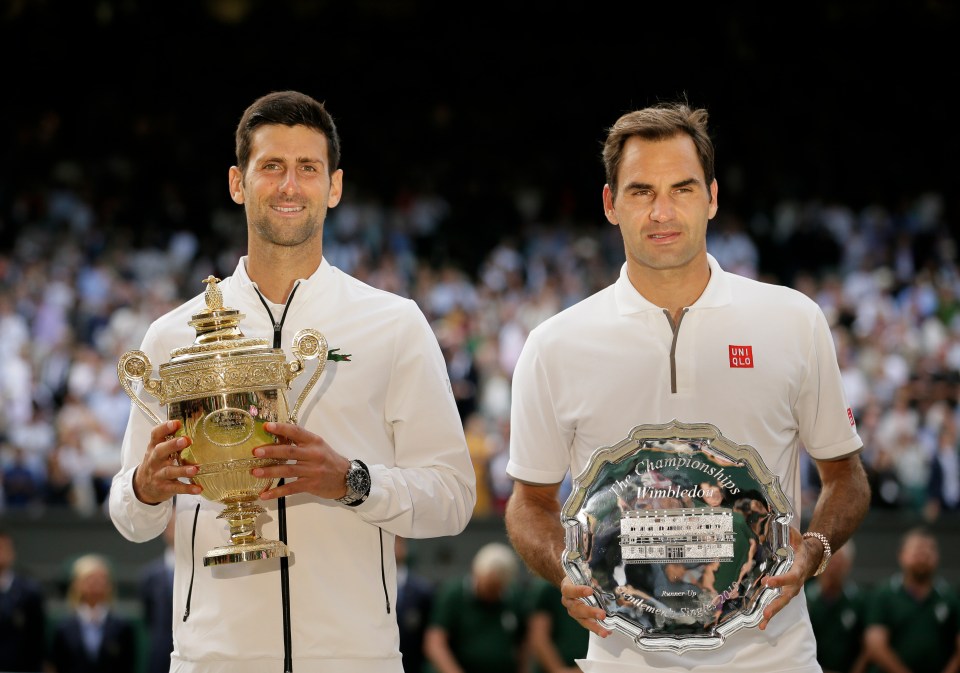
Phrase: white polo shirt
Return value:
(755, 360)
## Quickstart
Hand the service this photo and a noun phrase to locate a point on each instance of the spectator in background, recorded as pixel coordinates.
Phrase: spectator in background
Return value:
(93, 637)
(501, 486)
(16, 375)
(482, 450)
(943, 484)
(912, 465)
(22, 486)
(452, 334)
(912, 619)
(477, 622)
(836, 607)
(34, 439)
(414, 601)
(156, 597)
(58, 487)
(556, 640)
(22, 614)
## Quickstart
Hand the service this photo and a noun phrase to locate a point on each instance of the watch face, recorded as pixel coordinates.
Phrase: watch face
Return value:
(358, 480)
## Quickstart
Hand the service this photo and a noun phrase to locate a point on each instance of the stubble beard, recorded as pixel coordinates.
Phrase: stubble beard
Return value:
(666, 259)
(288, 235)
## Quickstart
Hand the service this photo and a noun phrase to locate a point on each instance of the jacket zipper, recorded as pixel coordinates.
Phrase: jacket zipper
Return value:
(282, 505)
(193, 561)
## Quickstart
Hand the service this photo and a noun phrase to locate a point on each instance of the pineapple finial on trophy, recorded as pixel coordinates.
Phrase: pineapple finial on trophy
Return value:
(213, 296)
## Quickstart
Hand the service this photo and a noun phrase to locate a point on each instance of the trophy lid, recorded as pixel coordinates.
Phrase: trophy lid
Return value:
(218, 329)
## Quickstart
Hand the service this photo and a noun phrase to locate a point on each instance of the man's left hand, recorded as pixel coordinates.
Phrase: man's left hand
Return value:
(308, 464)
(790, 583)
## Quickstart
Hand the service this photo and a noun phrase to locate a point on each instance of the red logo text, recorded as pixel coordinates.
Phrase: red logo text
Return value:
(741, 356)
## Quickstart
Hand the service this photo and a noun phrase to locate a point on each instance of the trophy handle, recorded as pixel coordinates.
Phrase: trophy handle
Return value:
(307, 344)
(134, 366)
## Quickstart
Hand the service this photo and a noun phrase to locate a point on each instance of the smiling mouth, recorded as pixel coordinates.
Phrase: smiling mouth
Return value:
(288, 209)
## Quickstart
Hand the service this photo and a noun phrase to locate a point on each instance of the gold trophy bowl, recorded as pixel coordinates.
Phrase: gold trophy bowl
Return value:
(222, 389)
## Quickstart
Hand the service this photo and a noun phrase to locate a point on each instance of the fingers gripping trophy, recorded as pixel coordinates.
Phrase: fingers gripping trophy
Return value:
(223, 388)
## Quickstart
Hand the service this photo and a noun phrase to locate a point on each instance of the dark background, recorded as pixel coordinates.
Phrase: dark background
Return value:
(842, 102)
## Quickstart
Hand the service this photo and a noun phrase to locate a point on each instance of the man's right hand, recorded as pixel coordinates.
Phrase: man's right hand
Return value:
(586, 615)
(158, 477)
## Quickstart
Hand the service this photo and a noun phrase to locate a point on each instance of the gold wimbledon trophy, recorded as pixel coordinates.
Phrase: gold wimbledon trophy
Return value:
(222, 389)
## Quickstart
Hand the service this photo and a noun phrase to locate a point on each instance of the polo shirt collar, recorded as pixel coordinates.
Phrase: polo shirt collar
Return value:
(629, 301)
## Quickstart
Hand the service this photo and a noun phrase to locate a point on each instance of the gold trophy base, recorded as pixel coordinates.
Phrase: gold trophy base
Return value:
(245, 543)
(252, 551)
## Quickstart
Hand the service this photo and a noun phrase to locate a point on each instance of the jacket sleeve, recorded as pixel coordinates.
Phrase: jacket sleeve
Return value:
(137, 521)
(430, 490)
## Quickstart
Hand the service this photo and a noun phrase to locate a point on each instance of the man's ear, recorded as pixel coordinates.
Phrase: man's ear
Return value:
(336, 188)
(714, 190)
(608, 208)
(235, 182)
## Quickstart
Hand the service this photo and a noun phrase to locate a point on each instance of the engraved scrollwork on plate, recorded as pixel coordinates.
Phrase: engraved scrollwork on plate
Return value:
(675, 528)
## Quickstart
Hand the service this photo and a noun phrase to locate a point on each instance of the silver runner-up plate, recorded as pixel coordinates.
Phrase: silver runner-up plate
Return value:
(675, 528)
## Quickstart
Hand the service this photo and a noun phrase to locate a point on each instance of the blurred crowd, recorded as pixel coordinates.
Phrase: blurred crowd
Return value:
(80, 282)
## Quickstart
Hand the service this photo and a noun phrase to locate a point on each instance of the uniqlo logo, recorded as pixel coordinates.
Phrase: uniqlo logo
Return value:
(741, 356)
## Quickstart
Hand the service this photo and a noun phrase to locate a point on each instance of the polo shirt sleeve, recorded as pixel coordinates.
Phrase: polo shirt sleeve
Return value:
(539, 444)
(827, 426)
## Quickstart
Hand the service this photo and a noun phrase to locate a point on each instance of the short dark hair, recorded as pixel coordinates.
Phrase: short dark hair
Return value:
(658, 122)
(290, 108)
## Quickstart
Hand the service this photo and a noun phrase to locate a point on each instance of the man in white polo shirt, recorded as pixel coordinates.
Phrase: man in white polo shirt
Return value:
(676, 338)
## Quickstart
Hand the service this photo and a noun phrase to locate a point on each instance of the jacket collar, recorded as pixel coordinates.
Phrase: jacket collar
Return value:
(318, 279)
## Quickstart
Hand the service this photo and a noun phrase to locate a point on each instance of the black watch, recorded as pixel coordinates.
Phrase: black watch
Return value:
(358, 484)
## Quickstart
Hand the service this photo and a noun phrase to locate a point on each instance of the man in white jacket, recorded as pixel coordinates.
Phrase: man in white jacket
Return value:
(378, 450)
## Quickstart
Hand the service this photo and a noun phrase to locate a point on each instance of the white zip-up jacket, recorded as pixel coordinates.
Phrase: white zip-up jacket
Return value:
(390, 406)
